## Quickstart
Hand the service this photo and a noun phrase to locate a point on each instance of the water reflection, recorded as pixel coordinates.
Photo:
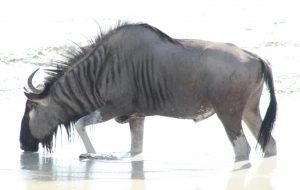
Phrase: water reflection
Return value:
(130, 174)
(49, 168)
(257, 179)
(137, 170)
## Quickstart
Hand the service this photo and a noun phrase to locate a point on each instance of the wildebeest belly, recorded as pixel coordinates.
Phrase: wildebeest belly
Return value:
(197, 115)
(195, 109)
(200, 114)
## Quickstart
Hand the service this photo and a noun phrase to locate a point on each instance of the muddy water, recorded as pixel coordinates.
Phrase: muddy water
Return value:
(178, 154)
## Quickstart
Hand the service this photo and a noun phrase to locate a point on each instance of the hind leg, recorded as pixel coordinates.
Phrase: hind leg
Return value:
(235, 133)
(253, 120)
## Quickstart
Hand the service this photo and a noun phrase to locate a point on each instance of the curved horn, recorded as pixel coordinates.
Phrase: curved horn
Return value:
(31, 87)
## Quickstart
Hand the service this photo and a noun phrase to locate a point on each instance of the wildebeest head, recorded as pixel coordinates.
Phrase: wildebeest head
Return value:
(39, 120)
(50, 104)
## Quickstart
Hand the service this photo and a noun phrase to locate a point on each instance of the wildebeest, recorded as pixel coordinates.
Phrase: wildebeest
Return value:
(134, 71)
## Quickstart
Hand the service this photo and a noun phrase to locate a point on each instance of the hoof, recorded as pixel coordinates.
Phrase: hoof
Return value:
(97, 157)
(271, 149)
(86, 156)
(270, 152)
(269, 155)
(134, 153)
(241, 158)
(241, 165)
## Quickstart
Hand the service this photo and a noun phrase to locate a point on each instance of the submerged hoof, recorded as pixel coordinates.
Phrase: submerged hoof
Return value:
(270, 151)
(267, 155)
(97, 156)
(241, 158)
(241, 165)
(134, 153)
(85, 156)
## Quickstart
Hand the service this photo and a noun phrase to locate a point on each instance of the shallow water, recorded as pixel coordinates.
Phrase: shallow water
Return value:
(178, 154)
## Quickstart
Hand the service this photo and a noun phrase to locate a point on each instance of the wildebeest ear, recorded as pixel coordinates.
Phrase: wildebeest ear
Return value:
(44, 101)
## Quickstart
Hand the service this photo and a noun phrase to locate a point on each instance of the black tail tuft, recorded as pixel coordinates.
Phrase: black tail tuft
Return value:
(270, 117)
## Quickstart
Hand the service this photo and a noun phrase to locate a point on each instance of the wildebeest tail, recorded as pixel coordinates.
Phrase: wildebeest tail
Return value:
(270, 117)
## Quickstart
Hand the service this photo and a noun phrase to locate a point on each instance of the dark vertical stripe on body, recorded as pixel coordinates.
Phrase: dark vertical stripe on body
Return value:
(91, 70)
(150, 87)
(149, 78)
(144, 85)
(73, 94)
(131, 70)
(84, 86)
(64, 99)
(99, 59)
(167, 80)
(112, 69)
(94, 67)
(161, 92)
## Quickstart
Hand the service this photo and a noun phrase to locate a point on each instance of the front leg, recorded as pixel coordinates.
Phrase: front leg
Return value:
(137, 131)
(82, 123)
